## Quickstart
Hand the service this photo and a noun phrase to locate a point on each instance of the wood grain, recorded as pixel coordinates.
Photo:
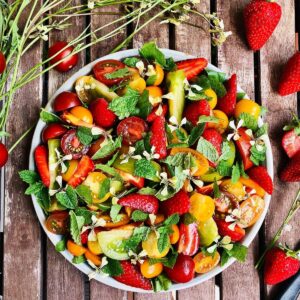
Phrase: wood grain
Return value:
(61, 275)
(235, 57)
(273, 56)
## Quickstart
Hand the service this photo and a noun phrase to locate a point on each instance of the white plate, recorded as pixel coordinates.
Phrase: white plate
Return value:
(85, 268)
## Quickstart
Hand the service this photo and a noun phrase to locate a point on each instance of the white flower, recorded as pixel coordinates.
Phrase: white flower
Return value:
(166, 182)
(91, 4)
(134, 257)
(159, 110)
(193, 179)
(150, 71)
(98, 270)
(151, 155)
(140, 66)
(152, 218)
(169, 96)
(96, 222)
(97, 131)
(126, 156)
(175, 124)
(235, 135)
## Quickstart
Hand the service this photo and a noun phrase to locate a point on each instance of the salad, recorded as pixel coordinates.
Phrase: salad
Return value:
(151, 170)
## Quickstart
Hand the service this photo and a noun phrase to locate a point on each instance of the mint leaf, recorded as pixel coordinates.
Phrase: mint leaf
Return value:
(168, 261)
(120, 73)
(223, 169)
(216, 190)
(67, 198)
(258, 154)
(226, 151)
(109, 170)
(113, 267)
(49, 117)
(144, 168)
(163, 241)
(143, 105)
(125, 106)
(104, 188)
(196, 133)
(131, 61)
(29, 176)
(34, 188)
(207, 149)
(139, 234)
(238, 251)
(147, 191)
(76, 223)
(220, 76)
(109, 148)
(85, 213)
(161, 283)
(205, 119)
(151, 80)
(139, 216)
(261, 130)
(188, 219)
(248, 121)
(78, 259)
(84, 193)
(84, 135)
(235, 175)
(61, 245)
(114, 213)
(240, 96)
(172, 220)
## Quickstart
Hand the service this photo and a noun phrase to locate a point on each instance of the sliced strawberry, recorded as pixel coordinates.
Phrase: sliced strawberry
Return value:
(179, 203)
(85, 166)
(192, 67)
(154, 113)
(291, 143)
(189, 239)
(158, 137)
(228, 102)
(291, 172)
(244, 146)
(262, 178)
(145, 203)
(41, 161)
(235, 234)
(215, 138)
(135, 180)
(196, 109)
(133, 277)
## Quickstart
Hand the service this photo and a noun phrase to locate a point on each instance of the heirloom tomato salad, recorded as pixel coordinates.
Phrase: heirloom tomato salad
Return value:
(151, 170)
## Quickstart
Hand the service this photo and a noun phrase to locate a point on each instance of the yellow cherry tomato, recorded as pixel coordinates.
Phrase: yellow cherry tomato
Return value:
(247, 106)
(155, 94)
(75, 249)
(137, 82)
(150, 246)
(124, 220)
(151, 271)
(223, 121)
(249, 183)
(202, 207)
(213, 98)
(159, 75)
(82, 114)
(94, 247)
(174, 236)
(236, 189)
(201, 162)
(71, 170)
(205, 263)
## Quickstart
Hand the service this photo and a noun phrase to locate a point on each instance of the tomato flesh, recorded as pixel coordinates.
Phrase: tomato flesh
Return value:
(65, 100)
(57, 222)
(52, 131)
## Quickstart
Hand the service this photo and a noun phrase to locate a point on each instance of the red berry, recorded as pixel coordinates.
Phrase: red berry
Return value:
(3, 155)
(192, 67)
(158, 137)
(236, 234)
(291, 172)
(189, 239)
(102, 115)
(196, 109)
(179, 203)
(260, 175)
(146, 203)
(291, 143)
(41, 161)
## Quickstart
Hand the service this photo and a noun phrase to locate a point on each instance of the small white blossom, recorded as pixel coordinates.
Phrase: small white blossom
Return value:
(140, 66)
(134, 257)
(235, 135)
(169, 96)
(150, 71)
(174, 123)
(126, 156)
(151, 155)
(96, 222)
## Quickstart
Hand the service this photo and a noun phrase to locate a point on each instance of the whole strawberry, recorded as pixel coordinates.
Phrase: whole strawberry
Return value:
(290, 79)
(280, 264)
(291, 172)
(260, 175)
(291, 139)
(145, 203)
(260, 18)
(179, 203)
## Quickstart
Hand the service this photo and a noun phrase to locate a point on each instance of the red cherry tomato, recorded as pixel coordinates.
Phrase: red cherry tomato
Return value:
(105, 67)
(189, 240)
(183, 270)
(3, 155)
(132, 130)
(102, 116)
(2, 62)
(57, 222)
(244, 146)
(70, 144)
(69, 62)
(65, 100)
(52, 131)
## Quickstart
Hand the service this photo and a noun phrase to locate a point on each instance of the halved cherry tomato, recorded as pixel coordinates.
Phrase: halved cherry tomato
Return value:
(3, 155)
(96, 146)
(95, 259)
(212, 101)
(151, 270)
(136, 181)
(154, 92)
(65, 100)
(174, 236)
(202, 207)
(223, 121)
(57, 222)
(68, 62)
(75, 249)
(189, 240)
(159, 75)
(71, 119)
(94, 247)
(244, 146)
(71, 170)
(52, 131)
(205, 263)
(82, 114)
(136, 82)
(124, 220)
(155, 112)
(159, 219)
(247, 106)
(236, 234)
(2, 62)
(249, 183)
(108, 66)
(70, 144)
(234, 188)
(132, 129)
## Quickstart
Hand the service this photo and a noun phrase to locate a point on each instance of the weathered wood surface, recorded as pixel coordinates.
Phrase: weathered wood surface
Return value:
(32, 273)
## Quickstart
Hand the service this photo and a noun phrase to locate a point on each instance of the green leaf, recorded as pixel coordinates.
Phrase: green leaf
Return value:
(205, 119)
(43, 198)
(125, 106)
(114, 213)
(238, 251)
(113, 159)
(109, 148)
(76, 223)
(224, 258)
(143, 105)
(175, 160)
(223, 169)
(131, 61)
(161, 283)
(172, 220)
(261, 130)
(104, 188)
(248, 121)
(34, 188)
(196, 133)
(235, 176)
(120, 73)
(84, 135)
(163, 242)
(109, 170)
(207, 149)
(188, 219)
(240, 96)
(85, 213)
(61, 245)
(151, 80)
(226, 151)
(29, 176)
(139, 234)
(216, 190)
(147, 191)
(78, 259)
(144, 168)
(67, 198)
(113, 267)
(220, 76)
(203, 82)
(139, 216)
(49, 117)
(258, 154)
(168, 261)
(84, 193)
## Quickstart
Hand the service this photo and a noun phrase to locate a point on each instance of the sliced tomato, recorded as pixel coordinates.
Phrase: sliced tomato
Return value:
(192, 67)
(41, 161)
(189, 240)
(52, 131)
(85, 166)
(57, 222)
(65, 100)
(153, 113)
(104, 67)
(136, 181)
(244, 146)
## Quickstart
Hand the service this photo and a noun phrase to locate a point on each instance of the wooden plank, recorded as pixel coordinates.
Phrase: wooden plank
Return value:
(197, 44)
(273, 56)
(235, 57)
(22, 233)
(99, 290)
(62, 274)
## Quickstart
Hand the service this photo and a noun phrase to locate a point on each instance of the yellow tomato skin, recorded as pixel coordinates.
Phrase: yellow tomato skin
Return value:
(174, 236)
(223, 122)
(71, 170)
(213, 98)
(247, 106)
(159, 75)
(95, 259)
(150, 246)
(204, 264)
(82, 114)
(94, 247)
(138, 84)
(151, 271)
(236, 189)
(154, 91)
(202, 207)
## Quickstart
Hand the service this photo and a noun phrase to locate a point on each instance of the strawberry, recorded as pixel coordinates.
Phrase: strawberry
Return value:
(158, 137)
(102, 116)
(260, 175)
(290, 79)
(192, 67)
(179, 203)
(291, 172)
(133, 277)
(196, 109)
(235, 234)
(228, 102)
(215, 138)
(280, 264)
(291, 139)
(244, 145)
(153, 114)
(41, 161)
(145, 203)
(85, 166)
(189, 239)
(260, 18)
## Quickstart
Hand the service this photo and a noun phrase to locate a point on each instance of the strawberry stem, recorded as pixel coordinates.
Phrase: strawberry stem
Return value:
(294, 208)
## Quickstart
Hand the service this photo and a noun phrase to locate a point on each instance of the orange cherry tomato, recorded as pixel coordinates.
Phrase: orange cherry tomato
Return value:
(174, 236)
(159, 219)
(71, 170)
(236, 189)
(247, 106)
(57, 222)
(95, 259)
(253, 185)
(124, 219)
(75, 249)
(82, 114)
(159, 75)
(151, 271)
(205, 263)
(202, 207)
(223, 121)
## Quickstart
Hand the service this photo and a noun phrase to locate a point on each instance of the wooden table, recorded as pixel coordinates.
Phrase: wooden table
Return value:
(33, 269)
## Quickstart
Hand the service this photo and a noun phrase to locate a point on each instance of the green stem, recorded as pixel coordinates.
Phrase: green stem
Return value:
(20, 138)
